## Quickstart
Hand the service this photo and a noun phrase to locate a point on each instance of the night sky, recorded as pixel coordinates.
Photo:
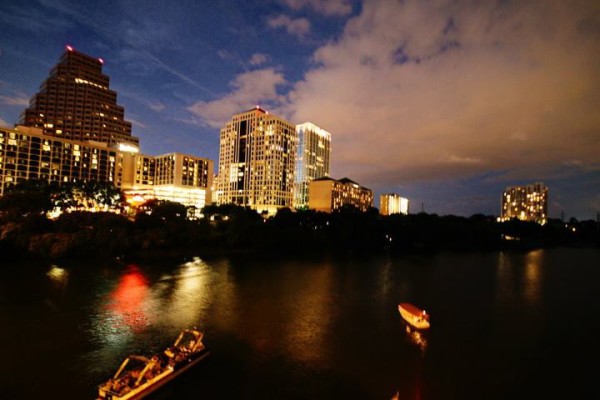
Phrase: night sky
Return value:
(443, 102)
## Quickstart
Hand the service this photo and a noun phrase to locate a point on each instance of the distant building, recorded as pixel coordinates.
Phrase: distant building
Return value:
(527, 203)
(76, 103)
(392, 203)
(327, 195)
(312, 159)
(256, 161)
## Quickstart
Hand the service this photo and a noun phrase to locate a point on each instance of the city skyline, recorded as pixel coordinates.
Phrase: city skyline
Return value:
(445, 104)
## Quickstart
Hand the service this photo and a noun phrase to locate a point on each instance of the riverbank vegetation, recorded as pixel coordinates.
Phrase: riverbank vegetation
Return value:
(158, 227)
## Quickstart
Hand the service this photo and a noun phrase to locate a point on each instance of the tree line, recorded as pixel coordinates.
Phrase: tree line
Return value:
(157, 227)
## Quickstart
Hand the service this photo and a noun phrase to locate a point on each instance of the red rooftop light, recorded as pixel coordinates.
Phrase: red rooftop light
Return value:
(101, 61)
(69, 48)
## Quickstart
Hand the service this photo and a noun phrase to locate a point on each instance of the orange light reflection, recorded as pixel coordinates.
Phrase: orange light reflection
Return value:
(127, 300)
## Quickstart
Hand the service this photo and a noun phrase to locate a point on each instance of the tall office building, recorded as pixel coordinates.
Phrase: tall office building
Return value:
(75, 103)
(392, 203)
(327, 195)
(312, 159)
(527, 203)
(256, 161)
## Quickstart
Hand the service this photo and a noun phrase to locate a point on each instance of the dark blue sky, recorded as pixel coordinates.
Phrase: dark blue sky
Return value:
(443, 102)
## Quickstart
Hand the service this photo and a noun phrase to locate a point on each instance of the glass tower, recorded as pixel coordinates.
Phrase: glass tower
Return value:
(312, 160)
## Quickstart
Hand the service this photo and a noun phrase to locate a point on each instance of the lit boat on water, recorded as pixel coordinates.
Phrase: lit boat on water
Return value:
(139, 376)
(414, 316)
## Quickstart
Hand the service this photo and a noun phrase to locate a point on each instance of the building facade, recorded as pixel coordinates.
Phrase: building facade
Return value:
(26, 153)
(327, 195)
(76, 103)
(174, 177)
(527, 203)
(312, 160)
(392, 203)
(256, 161)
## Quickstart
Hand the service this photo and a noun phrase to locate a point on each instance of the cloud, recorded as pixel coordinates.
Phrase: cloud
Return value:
(248, 89)
(4, 123)
(12, 95)
(156, 106)
(299, 27)
(415, 91)
(33, 19)
(137, 123)
(325, 7)
(20, 101)
(258, 59)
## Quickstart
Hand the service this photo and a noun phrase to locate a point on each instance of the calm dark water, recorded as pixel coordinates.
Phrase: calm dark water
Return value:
(504, 325)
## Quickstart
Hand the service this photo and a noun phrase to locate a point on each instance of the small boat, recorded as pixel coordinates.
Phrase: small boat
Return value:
(139, 376)
(414, 316)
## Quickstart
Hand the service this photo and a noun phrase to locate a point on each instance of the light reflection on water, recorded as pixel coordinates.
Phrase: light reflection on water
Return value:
(310, 311)
(533, 277)
(519, 279)
(418, 338)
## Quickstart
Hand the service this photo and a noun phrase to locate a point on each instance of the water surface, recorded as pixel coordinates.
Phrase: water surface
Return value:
(503, 325)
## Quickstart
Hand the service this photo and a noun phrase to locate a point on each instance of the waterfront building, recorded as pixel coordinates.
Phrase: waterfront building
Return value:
(26, 153)
(76, 103)
(256, 161)
(312, 160)
(327, 195)
(527, 203)
(74, 131)
(392, 203)
(174, 177)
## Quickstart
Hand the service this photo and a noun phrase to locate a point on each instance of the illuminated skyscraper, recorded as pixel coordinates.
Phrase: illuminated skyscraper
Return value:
(256, 161)
(392, 204)
(527, 203)
(312, 159)
(75, 103)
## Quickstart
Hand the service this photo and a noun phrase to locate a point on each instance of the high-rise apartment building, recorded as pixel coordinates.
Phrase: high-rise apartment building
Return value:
(256, 161)
(392, 203)
(76, 103)
(26, 153)
(312, 159)
(327, 195)
(527, 203)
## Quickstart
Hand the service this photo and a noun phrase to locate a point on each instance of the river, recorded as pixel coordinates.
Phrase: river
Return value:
(504, 325)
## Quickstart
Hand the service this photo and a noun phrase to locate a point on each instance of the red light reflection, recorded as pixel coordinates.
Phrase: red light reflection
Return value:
(127, 300)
